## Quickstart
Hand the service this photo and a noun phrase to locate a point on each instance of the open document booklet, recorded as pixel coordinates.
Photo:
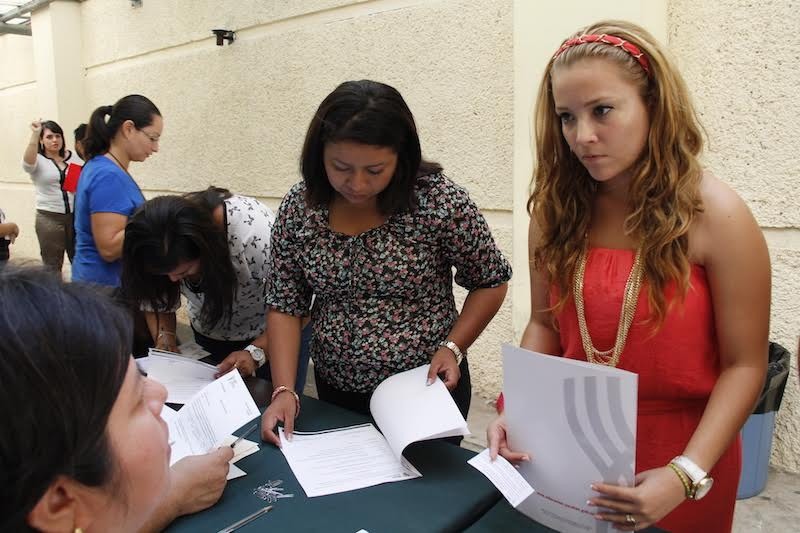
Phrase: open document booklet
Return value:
(577, 422)
(404, 408)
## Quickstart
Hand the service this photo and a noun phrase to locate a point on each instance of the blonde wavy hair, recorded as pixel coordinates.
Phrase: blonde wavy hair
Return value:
(664, 191)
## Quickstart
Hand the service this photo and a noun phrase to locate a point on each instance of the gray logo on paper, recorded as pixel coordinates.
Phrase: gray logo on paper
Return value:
(618, 460)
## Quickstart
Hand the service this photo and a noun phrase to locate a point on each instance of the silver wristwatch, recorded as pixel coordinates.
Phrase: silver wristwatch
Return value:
(701, 481)
(453, 347)
(257, 354)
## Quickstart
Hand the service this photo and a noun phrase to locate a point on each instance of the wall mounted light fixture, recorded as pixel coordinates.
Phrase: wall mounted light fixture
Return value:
(224, 35)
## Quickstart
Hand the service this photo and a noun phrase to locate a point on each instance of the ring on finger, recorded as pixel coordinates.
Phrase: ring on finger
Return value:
(630, 519)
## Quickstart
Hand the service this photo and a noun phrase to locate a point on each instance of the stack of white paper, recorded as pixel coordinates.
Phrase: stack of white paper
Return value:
(338, 460)
(181, 376)
(405, 408)
(192, 350)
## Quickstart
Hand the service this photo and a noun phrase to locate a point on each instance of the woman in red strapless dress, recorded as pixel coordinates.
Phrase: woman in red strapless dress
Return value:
(643, 261)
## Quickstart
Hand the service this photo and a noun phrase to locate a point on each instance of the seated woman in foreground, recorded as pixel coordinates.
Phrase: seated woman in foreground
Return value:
(83, 446)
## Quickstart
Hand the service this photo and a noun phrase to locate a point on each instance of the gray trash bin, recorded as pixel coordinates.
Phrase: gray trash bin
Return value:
(757, 431)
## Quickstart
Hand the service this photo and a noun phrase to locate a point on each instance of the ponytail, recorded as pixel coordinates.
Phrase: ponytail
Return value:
(98, 137)
(136, 108)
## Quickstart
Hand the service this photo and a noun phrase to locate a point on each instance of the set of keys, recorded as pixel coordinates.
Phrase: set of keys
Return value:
(271, 491)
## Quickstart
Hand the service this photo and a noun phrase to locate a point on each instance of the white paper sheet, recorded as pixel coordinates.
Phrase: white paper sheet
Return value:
(504, 476)
(181, 376)
(577, 421)
(408, 410)
(192, 350)
(339, 460)
(234, 472)
(203, 424)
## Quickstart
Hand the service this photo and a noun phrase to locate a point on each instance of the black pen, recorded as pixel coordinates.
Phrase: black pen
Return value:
(246, 433)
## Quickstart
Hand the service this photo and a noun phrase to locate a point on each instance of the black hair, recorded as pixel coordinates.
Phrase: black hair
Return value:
(55, 128)
(64, 353)
(134, 107)
(80, 134)
(168, 230)
(366, 112)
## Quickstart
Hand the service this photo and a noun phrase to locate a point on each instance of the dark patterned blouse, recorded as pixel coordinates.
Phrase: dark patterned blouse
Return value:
(384, 298)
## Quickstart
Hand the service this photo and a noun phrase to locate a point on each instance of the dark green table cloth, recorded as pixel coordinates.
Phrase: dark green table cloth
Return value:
(450, 495)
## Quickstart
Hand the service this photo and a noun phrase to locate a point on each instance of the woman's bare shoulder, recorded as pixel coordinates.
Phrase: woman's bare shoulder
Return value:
(725, 215)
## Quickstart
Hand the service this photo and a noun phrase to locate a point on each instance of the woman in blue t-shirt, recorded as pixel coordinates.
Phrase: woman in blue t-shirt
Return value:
(107, 194)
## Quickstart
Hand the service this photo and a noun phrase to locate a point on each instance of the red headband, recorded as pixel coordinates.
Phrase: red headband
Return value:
(612, 40)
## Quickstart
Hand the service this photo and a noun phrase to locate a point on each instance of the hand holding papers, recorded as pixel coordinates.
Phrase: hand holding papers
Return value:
(578, 421)
(210, 416)
(503, 476)
(406, 410)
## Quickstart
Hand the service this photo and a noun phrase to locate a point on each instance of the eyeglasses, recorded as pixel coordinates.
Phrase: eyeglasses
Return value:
(153, 138)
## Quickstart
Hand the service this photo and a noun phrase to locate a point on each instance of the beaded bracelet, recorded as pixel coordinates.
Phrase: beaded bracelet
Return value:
(684, 480)
(284, 388)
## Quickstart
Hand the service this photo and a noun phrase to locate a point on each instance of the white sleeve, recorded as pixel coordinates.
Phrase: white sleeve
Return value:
(30, 169)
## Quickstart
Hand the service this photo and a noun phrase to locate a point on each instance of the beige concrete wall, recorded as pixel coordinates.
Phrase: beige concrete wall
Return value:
(740, 61)
(18, 106)
(57, 48)
(236, 115)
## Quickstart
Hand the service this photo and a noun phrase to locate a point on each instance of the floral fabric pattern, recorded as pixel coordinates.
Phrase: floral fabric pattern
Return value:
(384, 298)
(248, 223)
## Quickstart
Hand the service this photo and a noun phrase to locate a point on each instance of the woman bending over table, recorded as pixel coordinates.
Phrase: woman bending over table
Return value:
(373, 232)
(212, 247)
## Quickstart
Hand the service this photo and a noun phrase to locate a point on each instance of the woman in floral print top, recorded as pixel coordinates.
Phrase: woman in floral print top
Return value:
(373, 233)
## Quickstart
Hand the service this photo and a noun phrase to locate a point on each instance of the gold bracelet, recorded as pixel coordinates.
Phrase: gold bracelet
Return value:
(684, 479)
(284, 388)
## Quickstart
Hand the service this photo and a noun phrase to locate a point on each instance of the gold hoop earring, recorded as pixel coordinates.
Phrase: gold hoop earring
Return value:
(78, 530)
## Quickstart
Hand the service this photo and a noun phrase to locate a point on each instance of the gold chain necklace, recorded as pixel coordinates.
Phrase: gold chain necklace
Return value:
(608, 357)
